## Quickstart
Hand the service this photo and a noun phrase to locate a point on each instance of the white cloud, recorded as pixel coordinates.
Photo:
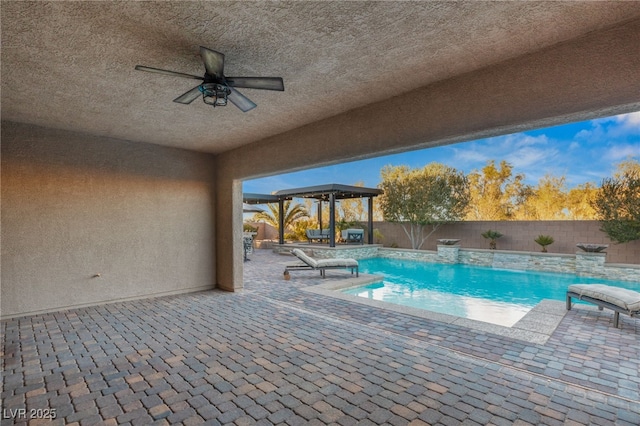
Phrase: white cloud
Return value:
(523, 140)
(631, 120)
(465, 158)
(619, 127)
(527, 158)
(584, 134)
(616, 153)
(520, 150)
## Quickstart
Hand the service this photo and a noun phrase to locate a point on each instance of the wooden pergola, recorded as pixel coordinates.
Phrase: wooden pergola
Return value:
(322, 193)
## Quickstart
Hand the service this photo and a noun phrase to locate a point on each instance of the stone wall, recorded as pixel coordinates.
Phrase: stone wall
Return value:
(580, 263)
(423, 255)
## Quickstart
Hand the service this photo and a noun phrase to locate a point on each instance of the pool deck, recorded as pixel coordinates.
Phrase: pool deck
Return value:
(536, 326)
(287, 352)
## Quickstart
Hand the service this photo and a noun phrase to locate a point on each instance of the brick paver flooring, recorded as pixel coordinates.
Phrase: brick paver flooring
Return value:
(274, 354)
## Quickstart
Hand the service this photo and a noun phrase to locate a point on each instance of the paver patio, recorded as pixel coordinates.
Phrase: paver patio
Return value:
(274, 354)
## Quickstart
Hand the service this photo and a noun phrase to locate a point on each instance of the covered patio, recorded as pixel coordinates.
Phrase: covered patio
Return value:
(122, 273)
(329, 193)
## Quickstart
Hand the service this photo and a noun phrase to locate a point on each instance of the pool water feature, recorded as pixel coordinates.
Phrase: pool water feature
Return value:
(498, 296)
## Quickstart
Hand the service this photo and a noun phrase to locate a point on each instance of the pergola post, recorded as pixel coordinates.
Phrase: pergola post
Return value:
(370, 218)
(332, 220)
(281, 220)
(320, 213)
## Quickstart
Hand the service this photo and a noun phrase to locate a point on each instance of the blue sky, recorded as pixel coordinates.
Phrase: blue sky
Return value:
(587, 151)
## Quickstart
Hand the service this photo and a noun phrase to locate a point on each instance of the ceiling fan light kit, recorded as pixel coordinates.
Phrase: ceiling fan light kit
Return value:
(214, 94)
(216, 89)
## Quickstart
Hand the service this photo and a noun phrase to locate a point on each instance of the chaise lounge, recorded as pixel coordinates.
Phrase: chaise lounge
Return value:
(620, 300)
(321, 265)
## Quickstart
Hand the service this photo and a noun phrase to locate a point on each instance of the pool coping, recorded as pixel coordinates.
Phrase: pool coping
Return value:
(536, 326)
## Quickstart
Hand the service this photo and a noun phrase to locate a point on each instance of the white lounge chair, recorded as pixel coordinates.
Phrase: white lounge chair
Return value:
(321, 265)
(620, 300)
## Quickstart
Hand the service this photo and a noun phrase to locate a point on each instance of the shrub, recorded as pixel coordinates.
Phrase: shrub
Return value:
(544, 241)
(618, 206)
(248, 228)
(492, 236)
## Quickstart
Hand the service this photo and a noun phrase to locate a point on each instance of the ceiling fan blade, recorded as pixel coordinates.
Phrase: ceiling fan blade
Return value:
(188, 97)
(266, 83)
(213, 62)
(167, 72)
(240, 100)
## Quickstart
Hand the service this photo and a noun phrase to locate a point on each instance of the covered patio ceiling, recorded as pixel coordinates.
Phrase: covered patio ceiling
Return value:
(70, 65)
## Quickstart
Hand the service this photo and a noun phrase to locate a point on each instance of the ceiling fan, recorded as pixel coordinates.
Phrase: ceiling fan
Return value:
(216, 89)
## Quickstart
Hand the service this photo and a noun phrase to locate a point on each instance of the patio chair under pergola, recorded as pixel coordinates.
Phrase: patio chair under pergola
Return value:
(322, 193)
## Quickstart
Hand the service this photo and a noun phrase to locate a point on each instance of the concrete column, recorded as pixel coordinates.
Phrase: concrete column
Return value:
(448, 253)
(229, 248)
(590, 264)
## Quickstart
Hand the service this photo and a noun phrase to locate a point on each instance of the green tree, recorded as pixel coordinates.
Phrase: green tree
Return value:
(626, 167)
(580, 202)
(423, 199)
(494, 192)
(352, 209)
(298, 229)
(292, 212)
(548, 200)
(618, 204)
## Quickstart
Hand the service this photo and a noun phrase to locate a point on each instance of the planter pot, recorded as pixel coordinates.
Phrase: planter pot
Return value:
(592, 248)
(448, 241)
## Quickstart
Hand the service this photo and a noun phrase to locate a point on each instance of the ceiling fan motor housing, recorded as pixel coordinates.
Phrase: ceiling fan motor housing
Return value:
(214, 94)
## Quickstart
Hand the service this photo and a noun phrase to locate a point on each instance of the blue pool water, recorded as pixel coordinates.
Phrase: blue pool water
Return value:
(497, 296)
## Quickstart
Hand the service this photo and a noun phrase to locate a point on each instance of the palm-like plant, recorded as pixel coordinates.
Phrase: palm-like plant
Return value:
(292, 212)
(544, 241)
(492, 236)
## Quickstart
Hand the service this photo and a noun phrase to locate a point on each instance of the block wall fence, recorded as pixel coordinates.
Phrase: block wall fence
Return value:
(518, 236)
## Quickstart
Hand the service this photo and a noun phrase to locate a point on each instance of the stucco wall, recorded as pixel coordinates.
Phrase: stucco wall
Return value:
(265, 231)
(75, 206)
(519, 236)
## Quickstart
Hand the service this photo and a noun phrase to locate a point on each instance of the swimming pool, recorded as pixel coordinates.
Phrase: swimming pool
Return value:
(497, 296)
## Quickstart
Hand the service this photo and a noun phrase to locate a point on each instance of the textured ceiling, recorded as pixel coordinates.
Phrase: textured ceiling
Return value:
(70, 65)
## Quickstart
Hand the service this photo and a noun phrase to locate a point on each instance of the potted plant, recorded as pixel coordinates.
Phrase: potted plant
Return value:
(492, 236)
(544, 241)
